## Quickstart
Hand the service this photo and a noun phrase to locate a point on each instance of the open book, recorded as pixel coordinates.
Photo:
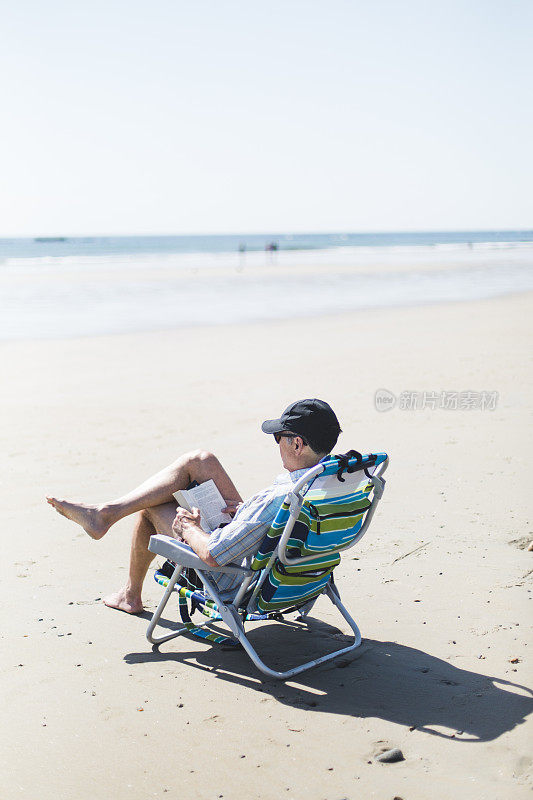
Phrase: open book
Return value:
(208, 499)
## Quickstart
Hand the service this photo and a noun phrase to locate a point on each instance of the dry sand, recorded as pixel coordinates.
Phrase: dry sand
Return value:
(90, 711)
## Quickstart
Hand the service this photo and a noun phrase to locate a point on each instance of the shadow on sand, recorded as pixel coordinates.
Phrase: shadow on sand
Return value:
(386, 680)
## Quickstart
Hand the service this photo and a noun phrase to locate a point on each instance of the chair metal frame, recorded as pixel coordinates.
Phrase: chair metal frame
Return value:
(231, 611)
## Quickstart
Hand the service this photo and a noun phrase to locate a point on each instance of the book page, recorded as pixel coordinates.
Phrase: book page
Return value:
(208, 499)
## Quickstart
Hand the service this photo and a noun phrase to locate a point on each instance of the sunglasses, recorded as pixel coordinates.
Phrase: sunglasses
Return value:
(279, 436)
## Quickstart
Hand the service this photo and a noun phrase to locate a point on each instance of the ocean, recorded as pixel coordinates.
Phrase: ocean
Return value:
(57, 287)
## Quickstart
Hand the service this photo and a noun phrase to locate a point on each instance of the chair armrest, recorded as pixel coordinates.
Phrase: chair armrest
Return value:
(185, 556)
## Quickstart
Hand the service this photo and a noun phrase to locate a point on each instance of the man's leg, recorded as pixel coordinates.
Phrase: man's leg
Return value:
(199, 465)
(149, 521)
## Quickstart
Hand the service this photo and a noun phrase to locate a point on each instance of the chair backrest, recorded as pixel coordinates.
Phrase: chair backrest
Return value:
(331, 518)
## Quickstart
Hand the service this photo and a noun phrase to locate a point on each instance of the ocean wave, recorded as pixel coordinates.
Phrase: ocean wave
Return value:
(340, 256)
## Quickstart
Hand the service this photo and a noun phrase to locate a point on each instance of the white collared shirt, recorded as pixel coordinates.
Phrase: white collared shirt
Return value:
(239, 540)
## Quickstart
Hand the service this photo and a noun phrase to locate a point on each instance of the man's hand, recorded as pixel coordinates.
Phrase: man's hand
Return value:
(232, 507)
(187, 527)
(186, 521)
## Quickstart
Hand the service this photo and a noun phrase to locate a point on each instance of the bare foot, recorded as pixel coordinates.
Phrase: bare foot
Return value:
(92, 519)
(123, 601)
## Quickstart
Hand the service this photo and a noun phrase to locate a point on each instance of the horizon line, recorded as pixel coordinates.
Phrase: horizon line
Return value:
(265, 233)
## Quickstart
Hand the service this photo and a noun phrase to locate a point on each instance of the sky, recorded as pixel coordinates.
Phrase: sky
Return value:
(228, 116)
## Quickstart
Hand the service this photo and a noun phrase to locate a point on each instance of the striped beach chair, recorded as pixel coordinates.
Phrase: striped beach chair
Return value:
(327, 511)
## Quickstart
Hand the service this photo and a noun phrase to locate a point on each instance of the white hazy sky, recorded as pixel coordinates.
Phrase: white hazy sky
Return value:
(200, 116)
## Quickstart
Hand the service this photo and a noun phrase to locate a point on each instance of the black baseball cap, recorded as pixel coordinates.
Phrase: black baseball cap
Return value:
(314, 420)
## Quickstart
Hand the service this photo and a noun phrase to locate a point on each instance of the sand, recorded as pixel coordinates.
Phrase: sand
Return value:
(440, 585)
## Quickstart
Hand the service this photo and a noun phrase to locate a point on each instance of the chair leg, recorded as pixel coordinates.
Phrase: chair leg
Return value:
(334, 596)
(232, 618)
(234, 622)
(303, 611)
(160, 608)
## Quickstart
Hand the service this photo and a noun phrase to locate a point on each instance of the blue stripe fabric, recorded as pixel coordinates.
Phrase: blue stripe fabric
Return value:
(331, 517)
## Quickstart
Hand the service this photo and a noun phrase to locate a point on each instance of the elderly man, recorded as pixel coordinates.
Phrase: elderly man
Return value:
(306, 432)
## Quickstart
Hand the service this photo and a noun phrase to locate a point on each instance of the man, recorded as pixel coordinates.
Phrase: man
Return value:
(306, 432)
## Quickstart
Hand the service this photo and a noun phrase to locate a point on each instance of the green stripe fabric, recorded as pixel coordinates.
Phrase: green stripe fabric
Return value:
(209, 609)
(340, 519)
(329, 520)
